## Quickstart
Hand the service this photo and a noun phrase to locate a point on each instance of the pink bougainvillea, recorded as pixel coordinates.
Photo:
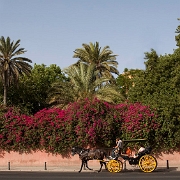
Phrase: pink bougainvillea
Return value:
(139, 121)
(83, 123)
(17, 132)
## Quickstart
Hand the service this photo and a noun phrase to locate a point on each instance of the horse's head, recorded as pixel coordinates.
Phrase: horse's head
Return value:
(75, 150)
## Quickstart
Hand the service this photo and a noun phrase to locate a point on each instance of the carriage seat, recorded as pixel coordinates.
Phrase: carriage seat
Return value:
(139, 155)
(146, 151)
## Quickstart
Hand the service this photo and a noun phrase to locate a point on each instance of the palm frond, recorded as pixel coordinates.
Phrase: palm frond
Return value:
(92, 54)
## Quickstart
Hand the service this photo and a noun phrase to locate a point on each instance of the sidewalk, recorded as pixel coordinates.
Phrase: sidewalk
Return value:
(76, 168)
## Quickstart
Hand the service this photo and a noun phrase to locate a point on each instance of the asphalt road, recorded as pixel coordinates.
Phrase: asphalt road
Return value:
(24, 175)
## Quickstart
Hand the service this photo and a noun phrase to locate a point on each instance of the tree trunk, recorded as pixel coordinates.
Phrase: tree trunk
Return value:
(5, 87)
(5, 94)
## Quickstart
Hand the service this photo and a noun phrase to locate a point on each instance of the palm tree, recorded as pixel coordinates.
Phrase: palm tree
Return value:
(86, 85)
(11, 65)
(104, 61)
(60, 94)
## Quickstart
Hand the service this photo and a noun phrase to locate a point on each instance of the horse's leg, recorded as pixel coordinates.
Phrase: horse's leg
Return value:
(86, 162)
(81, 166)
(84, 165)
(101, 163)
(105, 165)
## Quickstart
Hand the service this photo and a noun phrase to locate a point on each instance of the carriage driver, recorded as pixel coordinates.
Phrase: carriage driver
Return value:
(117, 149)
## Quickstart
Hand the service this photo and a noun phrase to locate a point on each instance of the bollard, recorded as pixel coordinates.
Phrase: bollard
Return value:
(167, 164)
(45, 166)
(125, 165)
(9, 166)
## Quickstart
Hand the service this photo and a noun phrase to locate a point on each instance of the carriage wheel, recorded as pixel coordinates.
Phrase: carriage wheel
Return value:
(147, 163)
(114, 166)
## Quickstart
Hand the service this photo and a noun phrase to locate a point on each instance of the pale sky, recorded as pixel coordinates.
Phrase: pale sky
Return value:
(50, 30)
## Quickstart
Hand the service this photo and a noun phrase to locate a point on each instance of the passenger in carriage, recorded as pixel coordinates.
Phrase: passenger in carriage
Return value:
(141, 149)
(128, 151)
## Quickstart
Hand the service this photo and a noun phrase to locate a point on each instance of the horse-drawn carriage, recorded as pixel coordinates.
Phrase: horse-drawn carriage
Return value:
(145, 161)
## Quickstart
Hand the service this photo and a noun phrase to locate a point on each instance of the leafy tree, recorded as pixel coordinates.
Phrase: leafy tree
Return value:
(33, 91)
(177, 37)
(104, 60)
(125, 81)
(158, 86)
(11, 65)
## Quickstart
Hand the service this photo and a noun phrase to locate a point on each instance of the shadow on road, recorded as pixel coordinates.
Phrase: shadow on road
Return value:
(159, 169)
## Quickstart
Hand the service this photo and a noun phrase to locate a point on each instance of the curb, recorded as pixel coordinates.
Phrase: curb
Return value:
(76, 169)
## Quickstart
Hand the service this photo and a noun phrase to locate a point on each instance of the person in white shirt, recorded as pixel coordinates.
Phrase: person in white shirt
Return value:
(117, 149)
(141, 149)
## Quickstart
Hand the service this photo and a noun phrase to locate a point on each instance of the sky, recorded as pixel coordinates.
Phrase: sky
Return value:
(50, 30)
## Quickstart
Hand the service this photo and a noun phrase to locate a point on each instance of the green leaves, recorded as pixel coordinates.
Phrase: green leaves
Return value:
(85, 83)
(177, 37)
(157, 87)
(11, 65)
(32, 93)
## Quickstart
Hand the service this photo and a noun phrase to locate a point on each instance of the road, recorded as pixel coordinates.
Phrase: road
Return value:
(25, 175)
